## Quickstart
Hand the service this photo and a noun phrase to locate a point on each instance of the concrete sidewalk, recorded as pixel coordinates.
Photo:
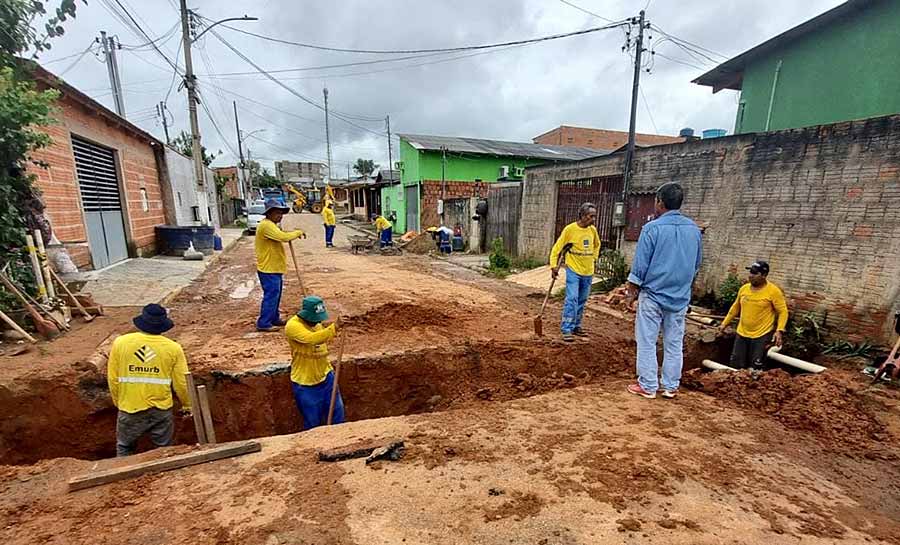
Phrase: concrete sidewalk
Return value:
(139, 281)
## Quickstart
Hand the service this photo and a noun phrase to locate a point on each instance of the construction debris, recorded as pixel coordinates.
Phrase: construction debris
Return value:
(392, 452)
(361, 450)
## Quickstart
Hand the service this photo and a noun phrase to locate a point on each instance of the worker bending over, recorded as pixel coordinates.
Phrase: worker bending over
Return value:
(312, 377)
(271, 263)
(762, 310)
(142, 369)
(330, 221)
(384, 228)
(583, 243)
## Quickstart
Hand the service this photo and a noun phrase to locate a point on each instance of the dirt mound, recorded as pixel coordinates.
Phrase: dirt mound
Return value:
(827, 404)
(400, 316)
(421, 244)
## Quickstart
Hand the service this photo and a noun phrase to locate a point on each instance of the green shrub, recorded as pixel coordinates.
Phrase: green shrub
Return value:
(612, 270)
(727, 292)
(498, 259)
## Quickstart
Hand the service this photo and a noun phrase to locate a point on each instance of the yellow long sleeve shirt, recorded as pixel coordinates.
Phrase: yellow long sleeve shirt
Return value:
(381, 223)
(309, 351)
(269, 244)
(585, 248)
(328, 216)
(142, 371)
(760, 311)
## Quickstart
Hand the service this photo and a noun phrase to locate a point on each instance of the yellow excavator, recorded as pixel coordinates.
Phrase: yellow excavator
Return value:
(302, 202)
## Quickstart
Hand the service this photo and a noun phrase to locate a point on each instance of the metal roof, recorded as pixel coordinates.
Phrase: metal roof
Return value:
(730, 74)
(500, 148)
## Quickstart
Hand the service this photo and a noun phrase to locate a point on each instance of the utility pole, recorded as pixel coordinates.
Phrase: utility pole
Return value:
(190, 83)
(109, 52)
(244, 193)
(443, 181)
(161, 111)
(327, 132)
(638, 51)
(390, 153)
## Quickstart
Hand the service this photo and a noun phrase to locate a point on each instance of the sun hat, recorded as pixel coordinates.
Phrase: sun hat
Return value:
(313, 309)
(275, 204)
(153, 320)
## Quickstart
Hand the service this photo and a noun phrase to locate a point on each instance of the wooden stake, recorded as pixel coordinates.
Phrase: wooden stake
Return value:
(16, 327)
(195, 408)
(164, 464)
(87, 316)
(337, 376)
(45, 266)
(297, 268)
(36, 267)
(207, 415)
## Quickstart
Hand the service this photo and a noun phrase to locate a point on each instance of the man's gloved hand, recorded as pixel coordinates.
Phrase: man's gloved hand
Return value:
(554, 272)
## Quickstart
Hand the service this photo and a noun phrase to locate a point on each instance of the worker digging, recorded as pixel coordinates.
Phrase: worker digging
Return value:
(384, 228)
(271, 263)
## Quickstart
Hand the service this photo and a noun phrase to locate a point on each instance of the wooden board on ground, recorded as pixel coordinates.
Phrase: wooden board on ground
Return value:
(164, 464)
(539, 278)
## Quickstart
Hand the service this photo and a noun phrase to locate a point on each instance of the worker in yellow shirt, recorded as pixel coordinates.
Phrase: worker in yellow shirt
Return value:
(271, 263)
(762, 310)
(330, 221)
(312, 377)
(142, 370)
(584, 248)
(385, 230)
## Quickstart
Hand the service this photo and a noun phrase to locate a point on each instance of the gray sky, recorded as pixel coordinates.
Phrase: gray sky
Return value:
(510, 94)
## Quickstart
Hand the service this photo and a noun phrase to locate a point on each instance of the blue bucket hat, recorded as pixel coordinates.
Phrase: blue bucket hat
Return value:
(153, 320)
(276, 204)
(313, 309)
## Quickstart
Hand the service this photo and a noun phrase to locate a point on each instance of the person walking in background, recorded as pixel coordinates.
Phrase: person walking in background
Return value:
(583, 241)
(665, 263)
(384, 229)
(330, 222)
(312, 376)
(142, 370)
(271, 263)
(762, 310)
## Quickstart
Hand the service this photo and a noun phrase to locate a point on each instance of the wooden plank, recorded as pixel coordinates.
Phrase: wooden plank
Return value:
(206, 414)
(196, 410)
(227, 450)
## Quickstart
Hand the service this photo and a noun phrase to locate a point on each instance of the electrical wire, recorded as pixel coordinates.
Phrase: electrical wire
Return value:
(212, 119)
(137, 26)
(67, 57)
(649, 113)
(76, 61)
(579, 8)
(689, 65)
(691, 44)
(164, 37)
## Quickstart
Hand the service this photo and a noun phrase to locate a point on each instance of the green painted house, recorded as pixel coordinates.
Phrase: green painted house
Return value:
(457, 169)
(839, 66)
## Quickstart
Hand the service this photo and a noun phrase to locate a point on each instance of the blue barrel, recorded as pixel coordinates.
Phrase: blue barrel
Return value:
(714, 133)
(174, 240)
(217, 243)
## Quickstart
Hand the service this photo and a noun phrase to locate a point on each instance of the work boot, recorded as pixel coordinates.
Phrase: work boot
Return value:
(578, 332)
(568, 337)
(269, 329)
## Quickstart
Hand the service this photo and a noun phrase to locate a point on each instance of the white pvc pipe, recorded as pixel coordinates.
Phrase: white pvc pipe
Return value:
(794, 362)
(710, 364)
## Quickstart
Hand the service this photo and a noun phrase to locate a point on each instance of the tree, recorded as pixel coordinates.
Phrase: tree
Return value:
(365, 167)
(265, 179)
(185, 145)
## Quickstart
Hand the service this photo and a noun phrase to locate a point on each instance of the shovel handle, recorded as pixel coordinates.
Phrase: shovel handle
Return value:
(337, 376)
(559, 261)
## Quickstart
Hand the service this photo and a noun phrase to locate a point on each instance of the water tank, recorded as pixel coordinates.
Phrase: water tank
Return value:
(686, 132)
(714, 133)
(174, 240)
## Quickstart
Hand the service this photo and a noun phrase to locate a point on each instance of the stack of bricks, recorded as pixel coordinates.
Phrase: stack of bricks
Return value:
(431, 194)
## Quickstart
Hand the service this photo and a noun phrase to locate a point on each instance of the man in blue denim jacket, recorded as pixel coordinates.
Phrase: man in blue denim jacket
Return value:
(667, 258)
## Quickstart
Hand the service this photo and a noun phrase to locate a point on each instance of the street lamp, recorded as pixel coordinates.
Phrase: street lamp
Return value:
(243, 136)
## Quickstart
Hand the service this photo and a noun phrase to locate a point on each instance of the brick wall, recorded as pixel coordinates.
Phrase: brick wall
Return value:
(599, 138)
(821, 204)
(431, 194)
(58, 183)
(232, 191)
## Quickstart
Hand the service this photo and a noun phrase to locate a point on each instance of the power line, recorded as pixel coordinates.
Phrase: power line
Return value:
(689, 65)
(67, 57)
(143, 32)
(649, 113)
(329, 66)
(216, 126)
(164, 37)
(579, 8)
(613, 24)
(78, 60)
(710, 51)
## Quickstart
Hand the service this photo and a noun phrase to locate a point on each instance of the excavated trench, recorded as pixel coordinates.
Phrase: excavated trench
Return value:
(50, 419)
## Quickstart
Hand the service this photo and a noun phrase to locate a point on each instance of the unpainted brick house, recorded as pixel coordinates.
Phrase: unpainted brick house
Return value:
(102, 189)
(820, 204)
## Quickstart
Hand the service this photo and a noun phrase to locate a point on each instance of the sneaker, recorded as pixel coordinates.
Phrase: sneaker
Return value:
(568, 337)
(279, 323)
(638, 391)
(269, 329)
(578, 332)
(669, 394)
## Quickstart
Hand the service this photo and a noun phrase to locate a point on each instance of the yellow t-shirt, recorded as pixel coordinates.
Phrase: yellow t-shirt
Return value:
(585, 248)
(269, 244)
(381, 223)
(309, 351)
(142, 370)
(328, 216)
(758, 311)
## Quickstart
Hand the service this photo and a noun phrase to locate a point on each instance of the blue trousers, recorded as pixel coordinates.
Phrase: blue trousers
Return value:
(269, 314)
(650, 317)
(577, 290)
(329, 235)
(313, 402)
(387, 237)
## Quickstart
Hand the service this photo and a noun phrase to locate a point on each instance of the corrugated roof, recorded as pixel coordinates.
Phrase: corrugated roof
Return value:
(500, 148)
(730, 74)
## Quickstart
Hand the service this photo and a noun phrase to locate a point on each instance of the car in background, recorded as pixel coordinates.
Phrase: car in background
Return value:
(255, 214)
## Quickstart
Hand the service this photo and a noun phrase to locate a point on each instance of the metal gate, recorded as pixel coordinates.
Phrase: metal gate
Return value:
(98, 182)
(603, 191)
(504, 206)
(411, 194)
(456, 214)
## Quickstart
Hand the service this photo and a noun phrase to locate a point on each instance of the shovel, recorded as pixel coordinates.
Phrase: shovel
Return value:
(337, 375)
(539, 319)
(297, 267)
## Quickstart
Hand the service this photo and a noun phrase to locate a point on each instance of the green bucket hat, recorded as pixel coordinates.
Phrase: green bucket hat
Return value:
(313, 310)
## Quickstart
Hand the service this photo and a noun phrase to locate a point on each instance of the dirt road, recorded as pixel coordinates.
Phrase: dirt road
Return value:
(448, 355)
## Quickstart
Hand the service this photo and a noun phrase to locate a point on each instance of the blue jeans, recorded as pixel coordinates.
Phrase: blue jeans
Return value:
(650, 317)
(387, 237)
(577, 290)
(269, 314)
(313, 402)
(329, 235)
